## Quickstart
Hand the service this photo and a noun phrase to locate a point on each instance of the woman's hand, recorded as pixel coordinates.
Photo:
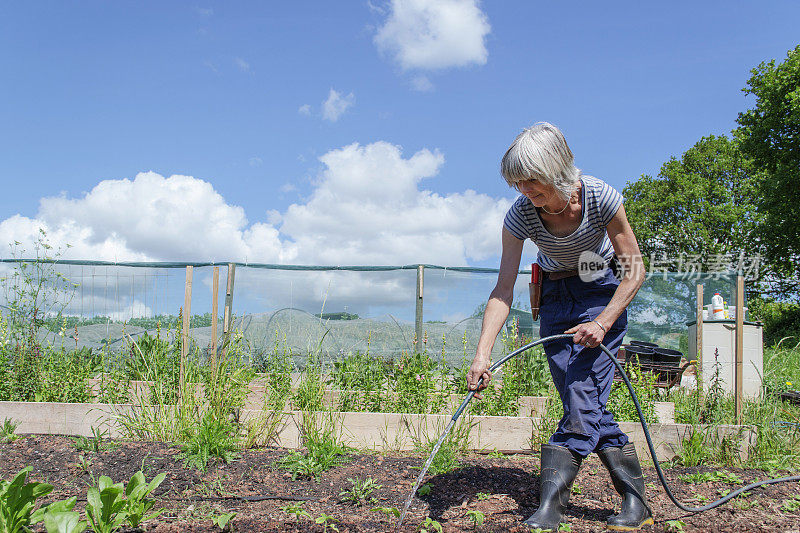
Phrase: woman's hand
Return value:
(589, 334)
(479, 368)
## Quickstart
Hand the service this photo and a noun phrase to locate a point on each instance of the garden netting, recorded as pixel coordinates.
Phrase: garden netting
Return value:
(330, 311)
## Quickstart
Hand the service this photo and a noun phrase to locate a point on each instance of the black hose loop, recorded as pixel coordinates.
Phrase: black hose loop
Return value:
(650, 446)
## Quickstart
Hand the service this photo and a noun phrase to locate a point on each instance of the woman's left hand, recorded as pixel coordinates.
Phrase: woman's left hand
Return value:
(589, 334)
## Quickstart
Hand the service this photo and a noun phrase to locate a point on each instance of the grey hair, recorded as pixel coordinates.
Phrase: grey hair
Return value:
(541, 152)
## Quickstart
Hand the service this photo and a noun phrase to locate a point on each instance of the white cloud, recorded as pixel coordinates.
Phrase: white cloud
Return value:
(242, 65)
(366, 207)
(255, 161)
(205, 11)
(434, 34)
(369, 207)
(336, 104)
(304, 109)
(148, 218)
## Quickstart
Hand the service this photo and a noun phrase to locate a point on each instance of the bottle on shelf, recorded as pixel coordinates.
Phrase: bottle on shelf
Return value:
(717, 307)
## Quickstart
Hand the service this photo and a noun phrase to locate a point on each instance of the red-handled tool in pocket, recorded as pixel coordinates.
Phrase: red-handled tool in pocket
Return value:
(535, 287)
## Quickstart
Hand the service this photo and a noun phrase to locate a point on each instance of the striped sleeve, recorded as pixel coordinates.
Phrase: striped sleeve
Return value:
(608, 203)
(514, 221)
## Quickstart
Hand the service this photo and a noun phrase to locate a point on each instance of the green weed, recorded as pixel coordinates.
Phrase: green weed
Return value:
(363, 379)
(414, 384)
(95, 443)
(214, 438)
(791, 505)
(7, 431)
(322, 448)
(717, 476)
(453, 447)
(360, 491)
(310, 392)
(620, 403)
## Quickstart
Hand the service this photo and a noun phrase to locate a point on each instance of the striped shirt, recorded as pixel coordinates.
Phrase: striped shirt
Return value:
(600, 203)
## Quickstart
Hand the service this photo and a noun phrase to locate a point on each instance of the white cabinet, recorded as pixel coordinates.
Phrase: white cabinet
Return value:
(721, 335)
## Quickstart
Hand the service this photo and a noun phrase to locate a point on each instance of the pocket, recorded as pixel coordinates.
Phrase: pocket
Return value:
(620, 324)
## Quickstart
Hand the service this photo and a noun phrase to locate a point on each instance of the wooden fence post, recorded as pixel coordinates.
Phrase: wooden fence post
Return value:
(226, 320)
(187, 313)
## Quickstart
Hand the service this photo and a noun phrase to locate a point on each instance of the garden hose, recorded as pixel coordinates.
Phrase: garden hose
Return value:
(635, 399)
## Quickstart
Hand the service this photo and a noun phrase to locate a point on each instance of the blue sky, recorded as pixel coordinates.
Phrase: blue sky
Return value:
(231, 96)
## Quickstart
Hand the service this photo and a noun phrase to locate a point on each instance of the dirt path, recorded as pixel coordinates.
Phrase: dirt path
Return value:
(504, 489)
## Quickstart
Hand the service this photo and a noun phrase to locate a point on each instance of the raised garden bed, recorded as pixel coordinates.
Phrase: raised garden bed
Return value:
(505, 489)
(375, 431)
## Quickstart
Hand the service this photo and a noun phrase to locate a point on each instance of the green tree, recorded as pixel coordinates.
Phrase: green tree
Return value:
(698, 208)
(770, 134)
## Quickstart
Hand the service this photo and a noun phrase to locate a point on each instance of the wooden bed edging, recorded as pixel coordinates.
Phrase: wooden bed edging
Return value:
(378, 431)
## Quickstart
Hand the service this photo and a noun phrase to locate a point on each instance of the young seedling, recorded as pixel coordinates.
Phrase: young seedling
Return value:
(476, 517)
(429, 525)
(483, 496)
(326, 521)
(388, 511)
(297, 510)
(564, 527)
(222, 520)
(59, 518)
(17, 500)
(674, 526)
(424, 490)
(105, 506)
(576, 489)
(136, 498)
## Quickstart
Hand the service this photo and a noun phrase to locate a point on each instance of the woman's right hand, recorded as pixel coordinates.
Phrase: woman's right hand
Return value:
(478, 370)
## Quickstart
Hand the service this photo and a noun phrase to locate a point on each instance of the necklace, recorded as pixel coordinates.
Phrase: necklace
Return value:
(558, 213)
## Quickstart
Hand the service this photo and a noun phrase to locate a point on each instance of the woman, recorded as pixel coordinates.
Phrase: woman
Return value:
(570, 216)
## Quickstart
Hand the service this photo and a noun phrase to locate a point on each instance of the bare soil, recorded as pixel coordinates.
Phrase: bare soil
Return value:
(504, 489)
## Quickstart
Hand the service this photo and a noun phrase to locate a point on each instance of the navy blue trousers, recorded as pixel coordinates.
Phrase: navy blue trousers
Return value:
(583, 376)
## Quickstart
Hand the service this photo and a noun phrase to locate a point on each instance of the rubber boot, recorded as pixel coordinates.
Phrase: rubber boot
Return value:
(626, 474)
(559, 468)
